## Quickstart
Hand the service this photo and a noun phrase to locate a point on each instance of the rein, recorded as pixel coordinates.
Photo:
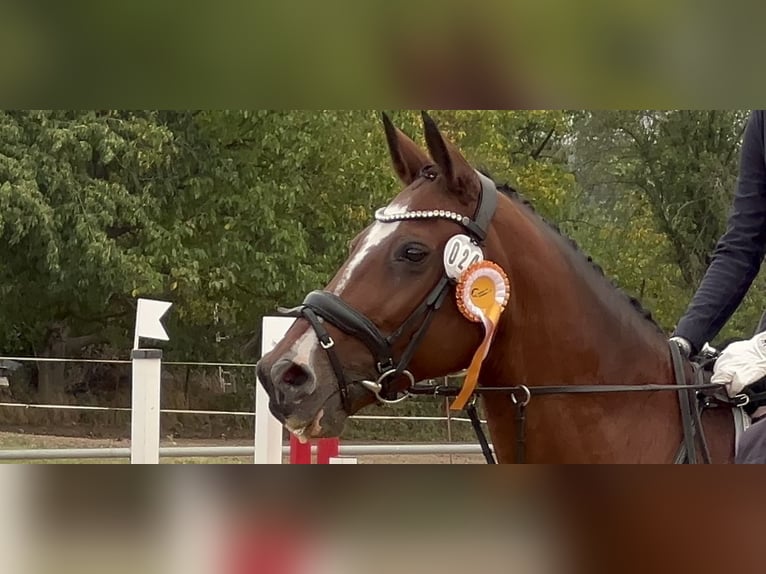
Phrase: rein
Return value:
(691, 409)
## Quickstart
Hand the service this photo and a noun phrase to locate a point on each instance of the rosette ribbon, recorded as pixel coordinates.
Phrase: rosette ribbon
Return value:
(482, 294)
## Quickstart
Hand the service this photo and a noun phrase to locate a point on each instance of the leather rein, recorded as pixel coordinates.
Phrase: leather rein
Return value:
(694, 399)
(321, 306)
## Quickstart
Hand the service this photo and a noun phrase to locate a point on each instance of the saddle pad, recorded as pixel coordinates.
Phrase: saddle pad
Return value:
(742, 422)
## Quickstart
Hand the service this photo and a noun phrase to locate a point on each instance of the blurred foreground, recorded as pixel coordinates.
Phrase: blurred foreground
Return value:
(288, 520)
(211, 521)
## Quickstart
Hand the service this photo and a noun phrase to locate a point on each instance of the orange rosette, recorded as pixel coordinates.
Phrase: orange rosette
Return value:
(482, 294)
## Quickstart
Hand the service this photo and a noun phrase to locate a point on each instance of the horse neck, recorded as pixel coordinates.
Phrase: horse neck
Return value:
(566, 322)
(566, 325)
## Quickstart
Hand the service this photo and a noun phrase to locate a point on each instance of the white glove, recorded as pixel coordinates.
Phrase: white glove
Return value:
(741, 364)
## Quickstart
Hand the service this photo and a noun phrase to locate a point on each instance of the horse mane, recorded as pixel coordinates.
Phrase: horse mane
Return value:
(514, 195)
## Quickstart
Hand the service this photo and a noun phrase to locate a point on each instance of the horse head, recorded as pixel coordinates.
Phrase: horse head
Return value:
(363, 337)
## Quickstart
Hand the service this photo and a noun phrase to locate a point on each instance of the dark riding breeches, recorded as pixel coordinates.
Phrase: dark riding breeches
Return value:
(752, 444)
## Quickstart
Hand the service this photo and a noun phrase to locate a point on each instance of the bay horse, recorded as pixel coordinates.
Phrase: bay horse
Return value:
(564, 323)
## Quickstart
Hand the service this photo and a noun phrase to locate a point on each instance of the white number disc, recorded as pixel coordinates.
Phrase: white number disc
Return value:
(459, 254)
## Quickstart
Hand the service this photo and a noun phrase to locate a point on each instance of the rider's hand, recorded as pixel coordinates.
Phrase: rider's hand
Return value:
(741, 364)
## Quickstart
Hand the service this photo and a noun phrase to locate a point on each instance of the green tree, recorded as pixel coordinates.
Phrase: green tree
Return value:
(656, 187)
(681, 163)
(227, 214)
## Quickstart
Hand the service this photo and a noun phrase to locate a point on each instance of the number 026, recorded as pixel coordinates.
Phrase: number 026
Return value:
(463, 253)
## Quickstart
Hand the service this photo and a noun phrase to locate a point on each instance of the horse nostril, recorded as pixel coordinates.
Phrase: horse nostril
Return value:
(292, 382)
(296, 375)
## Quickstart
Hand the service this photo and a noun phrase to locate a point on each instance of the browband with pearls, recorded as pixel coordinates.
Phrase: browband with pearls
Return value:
(384, 217)
(476, 227)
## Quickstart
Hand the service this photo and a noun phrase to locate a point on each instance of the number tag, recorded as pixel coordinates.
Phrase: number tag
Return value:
(459, 254)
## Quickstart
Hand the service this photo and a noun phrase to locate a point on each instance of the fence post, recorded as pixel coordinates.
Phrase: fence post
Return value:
(147, 372)
(268, 430)
(145, 411)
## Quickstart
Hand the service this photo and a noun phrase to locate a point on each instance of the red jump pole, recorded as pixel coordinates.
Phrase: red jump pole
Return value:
(328, 448)
(299, 453)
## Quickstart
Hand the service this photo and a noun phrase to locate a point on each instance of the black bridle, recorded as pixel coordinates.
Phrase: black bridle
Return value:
(320, 306)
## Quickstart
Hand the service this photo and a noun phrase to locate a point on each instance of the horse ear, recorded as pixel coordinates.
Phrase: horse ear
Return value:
(408, 159)
(458, 173)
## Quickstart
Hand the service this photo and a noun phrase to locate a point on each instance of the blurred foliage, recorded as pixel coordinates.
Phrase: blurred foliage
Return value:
(231, 213)
(444, 54)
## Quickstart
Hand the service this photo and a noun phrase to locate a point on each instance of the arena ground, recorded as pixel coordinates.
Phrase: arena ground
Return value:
(11, 440)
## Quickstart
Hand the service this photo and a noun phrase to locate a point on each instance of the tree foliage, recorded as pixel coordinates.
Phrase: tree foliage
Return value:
(681, 164)
(658, 186)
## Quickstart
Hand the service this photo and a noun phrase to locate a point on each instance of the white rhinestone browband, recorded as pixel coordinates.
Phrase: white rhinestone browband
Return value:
(383, 217)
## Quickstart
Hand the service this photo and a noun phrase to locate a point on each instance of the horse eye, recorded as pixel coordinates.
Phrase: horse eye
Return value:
(413, 253)
(429, 172)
